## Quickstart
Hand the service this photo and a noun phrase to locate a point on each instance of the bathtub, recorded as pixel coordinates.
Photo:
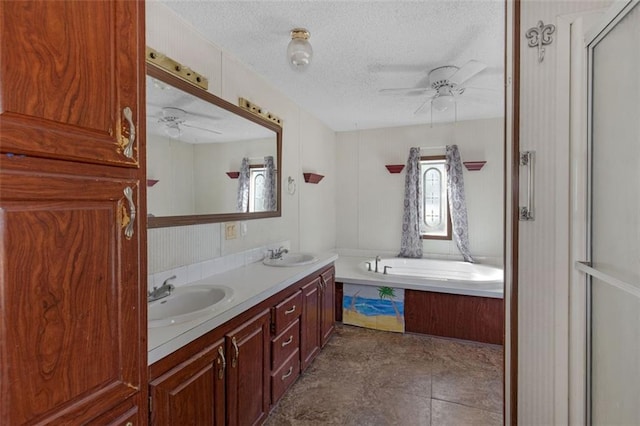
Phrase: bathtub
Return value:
(443, 276)
(439, 297)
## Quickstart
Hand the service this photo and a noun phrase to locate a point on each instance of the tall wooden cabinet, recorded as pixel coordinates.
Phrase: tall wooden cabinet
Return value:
(73, 286)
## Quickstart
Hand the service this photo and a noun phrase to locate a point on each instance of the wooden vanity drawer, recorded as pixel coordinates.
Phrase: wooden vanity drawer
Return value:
(286, 312)
(284, 377)
(285, 344)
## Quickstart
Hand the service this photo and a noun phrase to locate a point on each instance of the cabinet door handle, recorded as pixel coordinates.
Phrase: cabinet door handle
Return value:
(288, 341)
(234, 360)
(222, 361)
(288, 373)
(128, 220)
(290, 311)
(128, 144)
(323, 283)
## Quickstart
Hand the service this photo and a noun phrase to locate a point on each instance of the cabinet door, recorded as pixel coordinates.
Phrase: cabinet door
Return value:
(248, 372)
(310, 322)
(73, 326)
(69, 71)
(327, 300)
(193, 392)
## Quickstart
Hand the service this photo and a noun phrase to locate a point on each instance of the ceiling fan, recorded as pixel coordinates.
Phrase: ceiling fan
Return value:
(445, 85)
(175, 119)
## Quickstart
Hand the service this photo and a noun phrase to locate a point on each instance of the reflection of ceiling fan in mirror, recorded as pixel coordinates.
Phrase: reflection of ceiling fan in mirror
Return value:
(445, 86)
(176, 120)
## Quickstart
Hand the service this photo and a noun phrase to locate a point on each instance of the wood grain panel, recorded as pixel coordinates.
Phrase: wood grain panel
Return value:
(248, 394)
(72, 343)
(191, 393)
(310, 322)
(327, 302)
(286, 312)
(67, 75)
(474, 318)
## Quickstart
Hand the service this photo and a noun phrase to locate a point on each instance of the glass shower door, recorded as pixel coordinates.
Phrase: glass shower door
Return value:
(614, 268)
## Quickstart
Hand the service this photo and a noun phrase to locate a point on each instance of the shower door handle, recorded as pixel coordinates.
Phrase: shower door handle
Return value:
(527, 159)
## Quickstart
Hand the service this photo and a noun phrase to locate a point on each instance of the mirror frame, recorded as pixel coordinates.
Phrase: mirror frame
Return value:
(166, 221)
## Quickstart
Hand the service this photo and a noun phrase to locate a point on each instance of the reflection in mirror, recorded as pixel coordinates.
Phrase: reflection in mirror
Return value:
(193, 140)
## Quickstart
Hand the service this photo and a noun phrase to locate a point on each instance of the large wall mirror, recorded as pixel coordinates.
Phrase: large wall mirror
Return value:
(207, 159)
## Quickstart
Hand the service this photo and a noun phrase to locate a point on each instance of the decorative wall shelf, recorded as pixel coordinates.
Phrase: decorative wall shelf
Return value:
(312, 177)
(395, 168)
(151, 182)
(233, 175)
(473, 166)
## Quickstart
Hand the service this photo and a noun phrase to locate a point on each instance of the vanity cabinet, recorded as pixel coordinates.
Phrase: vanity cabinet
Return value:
(73, 335)
(318, 314)
(235, 373)
(248, 371)
(327, 304)
(193, 392)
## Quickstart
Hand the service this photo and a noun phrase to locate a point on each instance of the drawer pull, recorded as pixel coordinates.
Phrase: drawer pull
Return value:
(234, 360)
(288, 341)
(290, 311)
(288, 373)
(222, 361)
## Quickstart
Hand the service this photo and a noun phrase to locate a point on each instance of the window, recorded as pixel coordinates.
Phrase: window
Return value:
(436, 221)
(256, 188)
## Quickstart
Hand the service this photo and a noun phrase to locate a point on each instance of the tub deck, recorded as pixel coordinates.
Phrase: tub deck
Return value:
(348, 269)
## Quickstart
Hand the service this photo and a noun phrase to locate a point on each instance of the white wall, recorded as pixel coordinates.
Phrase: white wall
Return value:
(304, 137)
(370, 199)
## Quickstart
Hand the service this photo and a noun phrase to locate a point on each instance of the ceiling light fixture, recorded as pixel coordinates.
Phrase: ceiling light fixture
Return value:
(443, 102)
(299, 50)
(173, 130)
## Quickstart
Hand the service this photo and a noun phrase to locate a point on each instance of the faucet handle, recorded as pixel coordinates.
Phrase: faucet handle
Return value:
(368, 266)
(385, 269)
(166, 282)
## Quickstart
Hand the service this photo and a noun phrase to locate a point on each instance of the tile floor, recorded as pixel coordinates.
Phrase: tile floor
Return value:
(366, 377)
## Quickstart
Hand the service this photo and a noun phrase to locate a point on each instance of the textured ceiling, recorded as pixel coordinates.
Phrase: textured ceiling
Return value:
(361, 47)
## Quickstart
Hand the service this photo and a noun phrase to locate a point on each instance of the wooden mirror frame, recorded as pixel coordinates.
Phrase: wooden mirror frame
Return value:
(166, 221)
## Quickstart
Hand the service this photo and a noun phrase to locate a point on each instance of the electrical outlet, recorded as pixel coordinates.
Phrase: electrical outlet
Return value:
(231, 231)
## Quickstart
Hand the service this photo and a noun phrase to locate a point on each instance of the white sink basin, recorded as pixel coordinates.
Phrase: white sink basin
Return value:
(187, 303)
(291, 259)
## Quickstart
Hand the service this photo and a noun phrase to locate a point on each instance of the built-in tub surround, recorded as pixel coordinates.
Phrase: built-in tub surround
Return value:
(451, 299)
(436, 275)
(251, 284)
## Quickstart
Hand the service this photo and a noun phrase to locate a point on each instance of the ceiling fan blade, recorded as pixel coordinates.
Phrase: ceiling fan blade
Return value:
(406, 90)
(201, 128)
(467, 71)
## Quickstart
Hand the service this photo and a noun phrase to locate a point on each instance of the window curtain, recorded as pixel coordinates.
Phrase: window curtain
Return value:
(457, 202)
(269, 184)
(411, 244)
(243, 187)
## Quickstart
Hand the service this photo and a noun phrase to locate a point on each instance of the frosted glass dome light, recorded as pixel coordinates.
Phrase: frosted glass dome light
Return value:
(443, 103)
(299, 50)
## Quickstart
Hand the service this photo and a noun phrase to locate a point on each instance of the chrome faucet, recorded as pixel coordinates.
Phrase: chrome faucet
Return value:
(162, 292)
(277, 254)
(377, 260)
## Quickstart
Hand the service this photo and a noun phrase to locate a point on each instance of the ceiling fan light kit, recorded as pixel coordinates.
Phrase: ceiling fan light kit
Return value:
(299, 50)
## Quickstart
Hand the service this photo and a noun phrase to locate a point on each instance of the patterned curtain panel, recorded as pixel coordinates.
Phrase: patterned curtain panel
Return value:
(457, 203)
(269, 184)
(243, 187)
(411, 244)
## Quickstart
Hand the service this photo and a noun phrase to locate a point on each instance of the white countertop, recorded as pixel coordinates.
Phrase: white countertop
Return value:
(252, 284)
(349, 270)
